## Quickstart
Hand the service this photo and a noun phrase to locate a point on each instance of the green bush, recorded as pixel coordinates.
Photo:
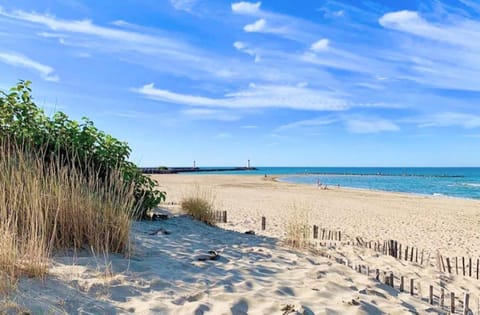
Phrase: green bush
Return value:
(68, 141)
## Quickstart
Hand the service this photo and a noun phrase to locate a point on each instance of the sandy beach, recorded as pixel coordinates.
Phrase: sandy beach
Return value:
(258, 274)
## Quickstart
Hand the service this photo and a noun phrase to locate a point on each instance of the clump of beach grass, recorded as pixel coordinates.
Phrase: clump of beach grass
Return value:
(48, 205)
(199, 203)
(297, 228)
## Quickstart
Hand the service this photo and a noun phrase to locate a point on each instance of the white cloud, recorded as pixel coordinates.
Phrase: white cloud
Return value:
(264, 96)
(450, 119)
(258, 26)
(17, 60)
(307, 123)
(462, 31)
(243, 47)
(223, 135)
(249, 127)
(184, 5)
(369, 125)
(320, 45)
(246, 7)
(86, 27)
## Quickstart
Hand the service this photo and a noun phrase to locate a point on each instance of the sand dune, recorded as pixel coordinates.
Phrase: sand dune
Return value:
(257, 274)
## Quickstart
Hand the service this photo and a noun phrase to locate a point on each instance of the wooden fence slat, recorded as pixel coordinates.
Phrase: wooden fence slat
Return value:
(463, 265)
(452, 302)
(466, 299)
(478, 261)
(442, 297)
(402, 279)
(264, 223)
(411, 255)
(456, 264)
(411, 287)
(449, 269)
(431, 295)
(470, 266)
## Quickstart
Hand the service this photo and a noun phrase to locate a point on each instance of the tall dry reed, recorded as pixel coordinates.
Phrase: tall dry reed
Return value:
(297, 228)
(46, 206)
(199, 203)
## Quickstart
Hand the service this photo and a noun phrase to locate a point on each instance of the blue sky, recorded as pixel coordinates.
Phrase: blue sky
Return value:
(283, 83)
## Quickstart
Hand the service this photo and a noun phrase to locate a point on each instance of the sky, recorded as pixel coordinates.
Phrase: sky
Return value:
(279, 82)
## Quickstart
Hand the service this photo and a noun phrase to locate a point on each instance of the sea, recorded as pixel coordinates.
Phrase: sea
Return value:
(461, 182)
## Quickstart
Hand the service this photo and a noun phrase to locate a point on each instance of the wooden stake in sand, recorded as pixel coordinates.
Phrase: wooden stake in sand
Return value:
(478, 260)
(315, 231)
(431, 295)
(224, 216)
(470, 266)
(401, 283)
(411, 287)
(448, 265)
(442, 297)
(264, 223)
(452, 302)
(466, 298)
(463, 265)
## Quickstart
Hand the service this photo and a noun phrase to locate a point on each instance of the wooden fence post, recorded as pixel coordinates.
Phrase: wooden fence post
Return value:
(452, 302)
(411, 287)
(448, 265)
(456, 264)
(401, 283)
(411, 255)
(224, 216)
(478, 260)
(315, 231)
(463, 265)
(391, 280)
(466, 298)
(442, 297)
(264, 223)
(400, 251)
(406, 253)
(470, 266)
(431, 295)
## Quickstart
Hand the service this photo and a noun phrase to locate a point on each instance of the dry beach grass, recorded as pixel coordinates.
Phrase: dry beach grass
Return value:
(48, 206)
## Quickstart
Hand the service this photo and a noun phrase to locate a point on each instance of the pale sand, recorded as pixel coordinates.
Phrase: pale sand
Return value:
(256, 274)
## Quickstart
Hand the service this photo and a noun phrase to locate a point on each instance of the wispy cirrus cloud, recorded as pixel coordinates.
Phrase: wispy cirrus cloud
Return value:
(183, 5)
(19, 60)
(316, 122)
(369, 125)
(265, 96)
(427, 53)
(449, 119)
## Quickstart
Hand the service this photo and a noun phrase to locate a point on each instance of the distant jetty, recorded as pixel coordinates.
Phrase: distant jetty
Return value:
(176, 170)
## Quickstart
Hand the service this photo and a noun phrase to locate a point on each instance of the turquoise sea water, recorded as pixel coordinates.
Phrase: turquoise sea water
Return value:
(455, 182)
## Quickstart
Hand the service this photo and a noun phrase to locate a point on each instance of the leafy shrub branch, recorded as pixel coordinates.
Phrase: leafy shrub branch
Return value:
(68, 141)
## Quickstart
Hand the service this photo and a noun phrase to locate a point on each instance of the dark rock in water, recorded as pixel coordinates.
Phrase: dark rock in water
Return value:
(250, 232)
(212, 255)
(158, 217)
(160, 231)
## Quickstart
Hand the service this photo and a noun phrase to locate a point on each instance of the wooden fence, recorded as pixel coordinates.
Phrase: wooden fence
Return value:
(459, 265)
(220, 216)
